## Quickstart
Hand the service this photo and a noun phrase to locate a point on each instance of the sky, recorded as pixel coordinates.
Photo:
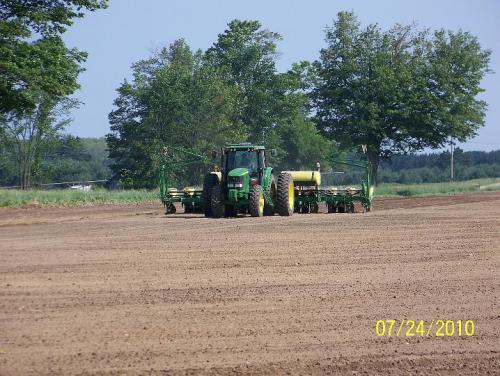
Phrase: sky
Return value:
(129, 30)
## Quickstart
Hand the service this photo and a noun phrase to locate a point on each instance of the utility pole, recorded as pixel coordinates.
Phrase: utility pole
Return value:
(451, 152)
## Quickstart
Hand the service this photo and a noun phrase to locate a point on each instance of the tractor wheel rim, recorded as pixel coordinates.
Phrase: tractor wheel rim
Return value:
(261, 202)
(291, 195)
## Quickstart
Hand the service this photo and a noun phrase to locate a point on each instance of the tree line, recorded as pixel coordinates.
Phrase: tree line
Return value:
(387, 92)
(74, 159)
(435, 167)
(66, 159)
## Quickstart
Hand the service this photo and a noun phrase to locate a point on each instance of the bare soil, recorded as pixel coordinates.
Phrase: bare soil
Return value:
(122, 289)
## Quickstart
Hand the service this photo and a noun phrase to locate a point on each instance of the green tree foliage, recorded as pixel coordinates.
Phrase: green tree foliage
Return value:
(203, 100)
(8, 167)
(435, 167)
(246, 55)
(33, 57)
(176, 98)
(399, 90)
(304, 145)
(73, 159)
(27, 136)
(37, 73)
(63, 158)
(299, 142)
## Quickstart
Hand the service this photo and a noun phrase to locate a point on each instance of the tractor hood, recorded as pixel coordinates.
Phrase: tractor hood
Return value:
(240, 171)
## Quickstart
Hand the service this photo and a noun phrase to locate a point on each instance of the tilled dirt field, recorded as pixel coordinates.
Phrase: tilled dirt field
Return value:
(126, 290)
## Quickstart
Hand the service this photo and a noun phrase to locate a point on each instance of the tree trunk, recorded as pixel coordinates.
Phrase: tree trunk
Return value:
(24, 173)
(374, 158)
(22, 176)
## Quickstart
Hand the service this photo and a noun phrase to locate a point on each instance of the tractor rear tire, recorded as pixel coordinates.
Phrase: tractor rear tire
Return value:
(217, 202)
(256, 201)
(285, 197)
(269, 209)
(208, 183)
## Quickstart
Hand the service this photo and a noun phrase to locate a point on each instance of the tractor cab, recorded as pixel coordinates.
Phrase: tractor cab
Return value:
(243, 159)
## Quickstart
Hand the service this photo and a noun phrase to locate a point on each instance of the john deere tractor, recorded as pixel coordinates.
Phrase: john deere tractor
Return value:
(245, 183)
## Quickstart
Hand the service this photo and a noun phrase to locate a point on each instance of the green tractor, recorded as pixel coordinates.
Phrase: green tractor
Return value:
(245, 183)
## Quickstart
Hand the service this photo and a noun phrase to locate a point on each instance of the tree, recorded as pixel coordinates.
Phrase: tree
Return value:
(272, 106)
(37, 73)
(33, 57)
(246, 55)
(29, 134)
(304, 145)
(8, 168)
(176, 99)
(203, 100)
(72, 159)
(397, 91)
(61, 158)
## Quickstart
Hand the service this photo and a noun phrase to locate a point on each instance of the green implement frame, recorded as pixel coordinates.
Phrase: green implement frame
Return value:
(337, 199)
(190, 198)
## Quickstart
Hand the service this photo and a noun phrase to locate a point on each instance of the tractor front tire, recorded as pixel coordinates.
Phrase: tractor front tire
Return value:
(285, 197)
(256, 201)
(208, 183)
(217, 202)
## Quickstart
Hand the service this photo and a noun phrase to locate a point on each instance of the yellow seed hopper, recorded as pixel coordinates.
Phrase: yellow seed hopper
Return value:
(305, 178)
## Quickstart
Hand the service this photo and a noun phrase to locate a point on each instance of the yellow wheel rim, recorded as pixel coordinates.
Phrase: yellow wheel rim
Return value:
(291, 195)
(261, 202)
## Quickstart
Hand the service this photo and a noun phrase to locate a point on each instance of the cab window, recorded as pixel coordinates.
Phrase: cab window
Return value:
(243, 159)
